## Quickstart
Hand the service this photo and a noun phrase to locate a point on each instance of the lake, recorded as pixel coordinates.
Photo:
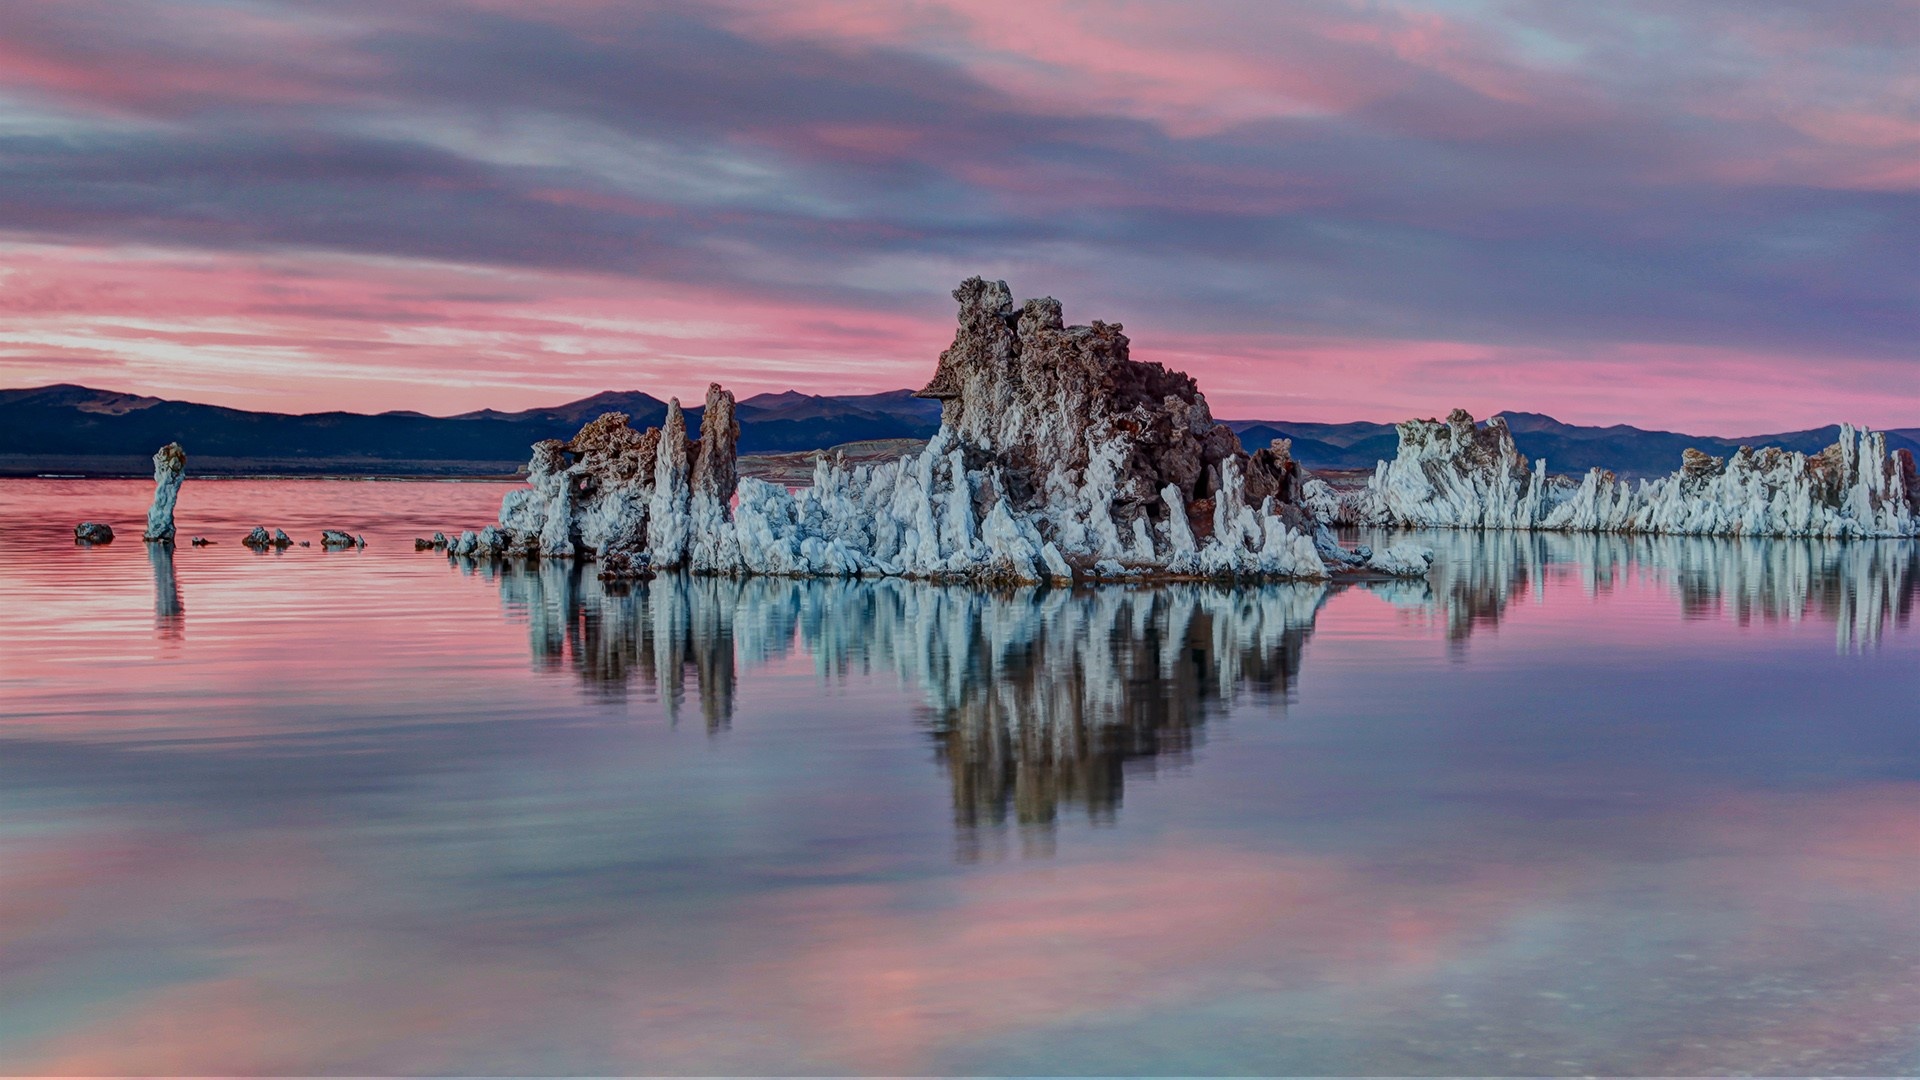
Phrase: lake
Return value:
(1576, 805)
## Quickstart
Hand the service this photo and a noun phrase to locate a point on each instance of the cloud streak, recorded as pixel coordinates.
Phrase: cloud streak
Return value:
(1591, 191)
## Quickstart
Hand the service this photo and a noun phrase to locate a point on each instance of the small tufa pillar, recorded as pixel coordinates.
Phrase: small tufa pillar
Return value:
(169, 468)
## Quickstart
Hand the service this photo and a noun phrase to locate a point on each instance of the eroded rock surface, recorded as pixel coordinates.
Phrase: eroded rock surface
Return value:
(169, 469)
(1456, 474)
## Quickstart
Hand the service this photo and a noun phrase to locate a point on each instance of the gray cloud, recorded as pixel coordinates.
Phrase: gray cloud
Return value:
(1591, 205)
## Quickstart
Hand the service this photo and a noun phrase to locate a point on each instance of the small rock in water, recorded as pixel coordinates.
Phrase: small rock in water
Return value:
(306, 543)
(336, 538)
(201, 541)
(258, 538)
(93, 532)
(281, 539)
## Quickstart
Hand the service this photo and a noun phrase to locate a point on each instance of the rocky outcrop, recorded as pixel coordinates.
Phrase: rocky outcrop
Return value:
(340, 538)
(169, 468)
(613, 489)
(1464, 476)
(1452, 474)
(1058, 457)
(1062, 410)
(92, 532)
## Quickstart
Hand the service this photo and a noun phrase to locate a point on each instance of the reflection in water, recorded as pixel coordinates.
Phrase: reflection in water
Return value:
(169, 614)
(1044, 698)
(1035, 698)
(1860, 587)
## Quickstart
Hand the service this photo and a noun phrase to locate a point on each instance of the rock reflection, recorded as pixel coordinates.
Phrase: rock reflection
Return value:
(1861, 587)
(1040, 701)
(169, 614)
(612, 636)
(1036, 699)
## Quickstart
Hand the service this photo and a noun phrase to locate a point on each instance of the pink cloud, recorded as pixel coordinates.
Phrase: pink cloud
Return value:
(86, 54)
(1191, 73)
(315, 332)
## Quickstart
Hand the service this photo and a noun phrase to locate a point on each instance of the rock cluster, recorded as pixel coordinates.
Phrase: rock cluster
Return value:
(1058, 457)
(259, 539)
(1459, 475)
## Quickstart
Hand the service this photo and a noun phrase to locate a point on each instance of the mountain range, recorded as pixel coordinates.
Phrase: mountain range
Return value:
(76, 429)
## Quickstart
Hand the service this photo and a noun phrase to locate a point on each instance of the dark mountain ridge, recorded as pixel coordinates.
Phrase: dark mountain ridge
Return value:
(70, 428)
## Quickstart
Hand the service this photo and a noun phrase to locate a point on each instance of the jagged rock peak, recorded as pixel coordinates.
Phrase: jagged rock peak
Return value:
(716, 468)
(1042, 399)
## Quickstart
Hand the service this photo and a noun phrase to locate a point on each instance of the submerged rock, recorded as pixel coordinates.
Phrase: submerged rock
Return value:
(93, 532)
(260, 538)
(169, 468)
(1459, 475)
(339, 538)
(201, 541)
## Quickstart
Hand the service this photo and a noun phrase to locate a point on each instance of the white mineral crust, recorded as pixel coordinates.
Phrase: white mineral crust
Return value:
(1452, 474)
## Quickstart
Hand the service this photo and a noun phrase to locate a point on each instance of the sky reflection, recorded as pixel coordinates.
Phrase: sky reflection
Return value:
(1577, 806)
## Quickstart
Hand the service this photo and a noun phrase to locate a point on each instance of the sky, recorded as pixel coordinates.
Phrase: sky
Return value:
(1693, 214)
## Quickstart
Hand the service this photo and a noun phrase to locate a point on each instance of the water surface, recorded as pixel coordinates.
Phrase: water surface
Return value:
(1576, 805)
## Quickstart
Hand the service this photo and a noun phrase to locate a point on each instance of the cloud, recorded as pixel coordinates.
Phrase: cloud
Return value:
(1526, 179)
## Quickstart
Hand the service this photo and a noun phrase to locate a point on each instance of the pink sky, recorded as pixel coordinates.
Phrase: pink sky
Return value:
(1679, 216)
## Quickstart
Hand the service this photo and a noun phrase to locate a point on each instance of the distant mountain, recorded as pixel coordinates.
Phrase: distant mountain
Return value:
(1323, 446)
(1568, 448)
(69, 428)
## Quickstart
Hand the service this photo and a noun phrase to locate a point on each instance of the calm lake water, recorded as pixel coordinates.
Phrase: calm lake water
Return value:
(1580, 805)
